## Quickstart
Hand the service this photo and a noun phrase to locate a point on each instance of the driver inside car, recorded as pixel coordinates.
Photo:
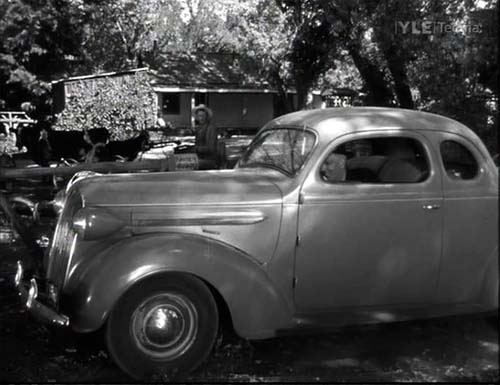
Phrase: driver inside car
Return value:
(333, 169)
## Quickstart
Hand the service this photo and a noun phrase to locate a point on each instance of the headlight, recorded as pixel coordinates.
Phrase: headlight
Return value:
(93, 223)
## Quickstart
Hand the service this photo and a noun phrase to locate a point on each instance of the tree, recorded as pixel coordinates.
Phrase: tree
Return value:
(314, 44)
(293, 44)
(262, 36)
(123, 34)
(451, 72)
(39, 41)
(289, 42)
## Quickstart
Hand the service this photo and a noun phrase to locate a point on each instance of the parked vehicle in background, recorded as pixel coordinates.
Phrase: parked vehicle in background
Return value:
(331, 217)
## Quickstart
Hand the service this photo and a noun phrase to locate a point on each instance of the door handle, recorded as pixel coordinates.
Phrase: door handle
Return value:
(431, 207)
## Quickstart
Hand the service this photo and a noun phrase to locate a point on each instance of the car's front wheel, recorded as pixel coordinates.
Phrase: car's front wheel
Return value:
(163, 327)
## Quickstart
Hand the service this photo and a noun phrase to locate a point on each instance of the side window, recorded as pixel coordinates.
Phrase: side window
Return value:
(376, 160)
(458, 161)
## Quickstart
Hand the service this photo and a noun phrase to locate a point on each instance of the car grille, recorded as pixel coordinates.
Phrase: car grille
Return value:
(63, 239)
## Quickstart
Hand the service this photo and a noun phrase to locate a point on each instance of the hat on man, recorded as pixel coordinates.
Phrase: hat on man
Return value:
(202, 107)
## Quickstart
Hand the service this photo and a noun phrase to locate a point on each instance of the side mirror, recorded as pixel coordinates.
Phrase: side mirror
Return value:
(334, 169)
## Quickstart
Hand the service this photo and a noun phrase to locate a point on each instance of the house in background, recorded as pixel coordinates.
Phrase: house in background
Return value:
(181, 82)
(237, 99)
(240, 99)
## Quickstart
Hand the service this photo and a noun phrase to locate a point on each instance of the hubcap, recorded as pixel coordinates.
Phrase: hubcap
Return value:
(165, 325)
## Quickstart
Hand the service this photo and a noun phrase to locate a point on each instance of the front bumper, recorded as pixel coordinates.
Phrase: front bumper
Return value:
(30, 298)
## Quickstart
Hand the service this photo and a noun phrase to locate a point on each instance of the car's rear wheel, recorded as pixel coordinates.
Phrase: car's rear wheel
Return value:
(163, 327)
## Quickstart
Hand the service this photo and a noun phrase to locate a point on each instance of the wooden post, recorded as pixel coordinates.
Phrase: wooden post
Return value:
(191, 111)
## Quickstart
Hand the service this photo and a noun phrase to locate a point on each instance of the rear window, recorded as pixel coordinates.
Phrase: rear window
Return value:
(458, 161)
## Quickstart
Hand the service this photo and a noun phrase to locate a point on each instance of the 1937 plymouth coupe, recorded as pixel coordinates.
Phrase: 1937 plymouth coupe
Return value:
(331, 217)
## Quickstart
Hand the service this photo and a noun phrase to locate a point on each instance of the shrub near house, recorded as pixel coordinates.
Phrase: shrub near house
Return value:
(125, 104)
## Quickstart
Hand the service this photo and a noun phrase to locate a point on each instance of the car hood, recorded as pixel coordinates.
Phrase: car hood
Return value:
(225, 187)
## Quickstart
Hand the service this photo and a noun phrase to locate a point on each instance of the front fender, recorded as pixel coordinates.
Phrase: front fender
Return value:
(257, 308)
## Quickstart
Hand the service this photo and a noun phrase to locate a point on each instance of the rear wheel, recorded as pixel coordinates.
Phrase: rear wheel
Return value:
(163, 327)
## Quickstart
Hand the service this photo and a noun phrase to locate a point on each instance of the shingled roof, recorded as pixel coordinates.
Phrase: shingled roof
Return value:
(206, 70)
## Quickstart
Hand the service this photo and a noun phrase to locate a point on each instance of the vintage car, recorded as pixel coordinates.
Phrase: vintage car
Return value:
(331, 217)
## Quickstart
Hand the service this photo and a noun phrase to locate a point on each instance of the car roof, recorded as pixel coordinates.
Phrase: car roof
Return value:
(333, 122)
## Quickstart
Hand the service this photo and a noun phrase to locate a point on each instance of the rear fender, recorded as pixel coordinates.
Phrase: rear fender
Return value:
(489, 290)
(257, 308)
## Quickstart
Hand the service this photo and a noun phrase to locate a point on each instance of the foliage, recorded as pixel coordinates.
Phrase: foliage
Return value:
(295, 44)
(341, 74)
(456, 73)
(292, 43)
(121, 34)
(451, 73)
(314, 43)
(260, 32)
(124, 105)
(39, 41)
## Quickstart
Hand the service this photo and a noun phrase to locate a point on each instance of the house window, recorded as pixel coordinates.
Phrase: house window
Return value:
(171, 103)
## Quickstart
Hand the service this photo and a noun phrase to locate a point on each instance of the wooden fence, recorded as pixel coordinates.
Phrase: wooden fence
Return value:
(167, 164)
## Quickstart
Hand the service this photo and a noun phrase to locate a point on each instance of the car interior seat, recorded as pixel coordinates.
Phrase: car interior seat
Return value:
(402, 166)
(365, 168)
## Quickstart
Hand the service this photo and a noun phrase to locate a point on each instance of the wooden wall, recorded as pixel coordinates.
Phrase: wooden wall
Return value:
(231, 110)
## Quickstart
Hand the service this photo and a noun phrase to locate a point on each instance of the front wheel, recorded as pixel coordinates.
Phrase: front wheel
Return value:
(163, 327)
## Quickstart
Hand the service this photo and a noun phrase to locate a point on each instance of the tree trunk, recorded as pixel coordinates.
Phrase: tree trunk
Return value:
(284, 102)
(398, 71)
(379, 94)
(393, 50)
(301, 97)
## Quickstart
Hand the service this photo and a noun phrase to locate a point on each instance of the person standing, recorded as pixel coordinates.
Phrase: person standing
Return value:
(206, 142)
(309, 102)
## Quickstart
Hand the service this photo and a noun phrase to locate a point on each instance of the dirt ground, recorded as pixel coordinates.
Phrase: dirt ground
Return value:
(455, 349)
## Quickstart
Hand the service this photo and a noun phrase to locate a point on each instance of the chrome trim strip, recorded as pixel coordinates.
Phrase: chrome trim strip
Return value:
(70, 257)
(271, 202)
(199, 219)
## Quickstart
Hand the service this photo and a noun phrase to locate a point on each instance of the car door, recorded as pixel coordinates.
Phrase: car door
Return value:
(470, 219)
(368, 243)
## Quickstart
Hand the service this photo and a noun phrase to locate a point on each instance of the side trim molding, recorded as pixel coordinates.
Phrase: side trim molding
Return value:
(186, 218)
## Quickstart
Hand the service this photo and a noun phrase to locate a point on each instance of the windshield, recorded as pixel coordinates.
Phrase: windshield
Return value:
(284, 149)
